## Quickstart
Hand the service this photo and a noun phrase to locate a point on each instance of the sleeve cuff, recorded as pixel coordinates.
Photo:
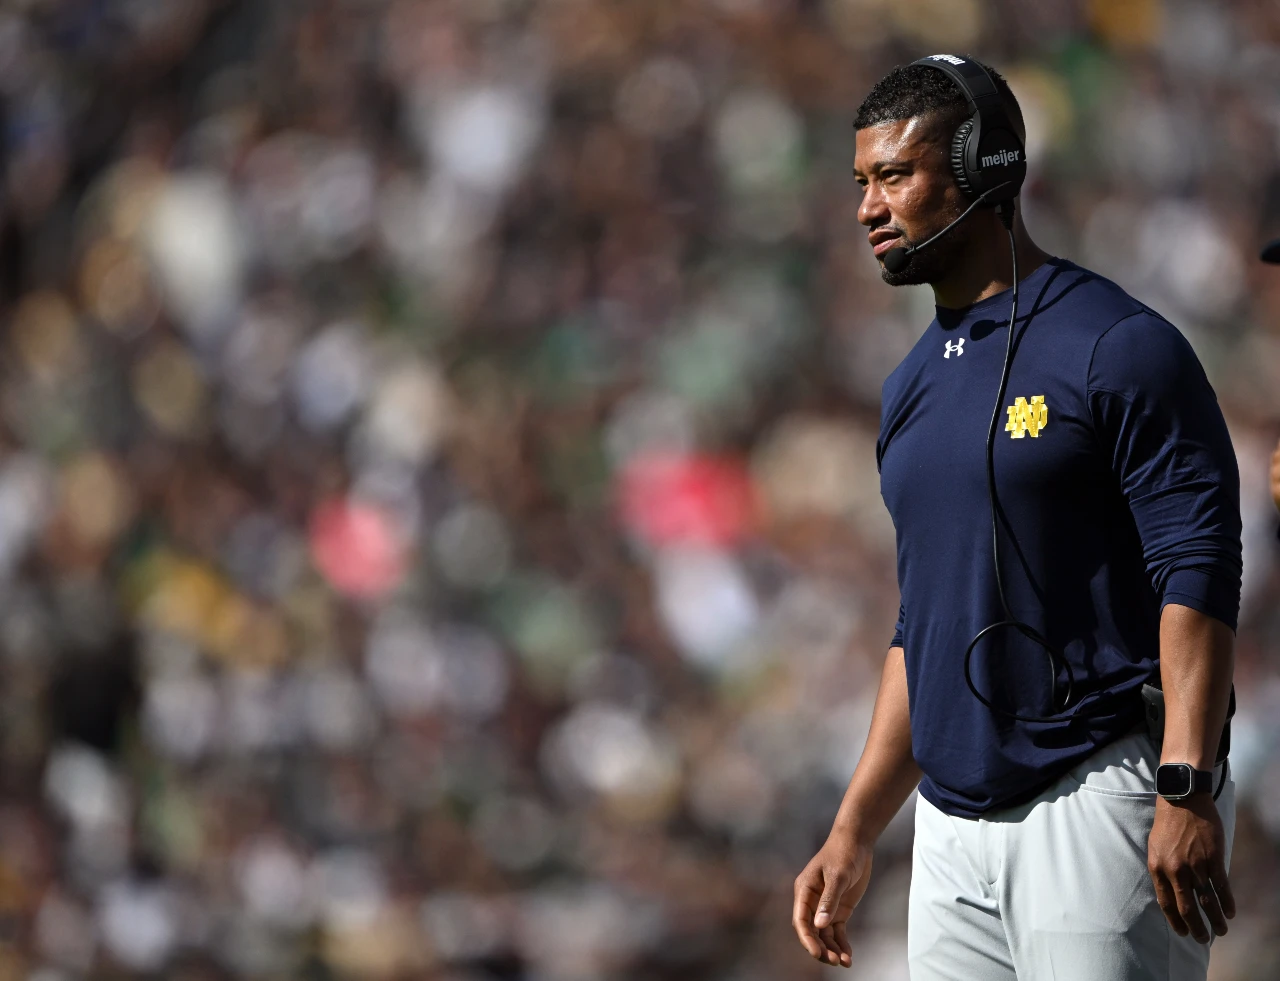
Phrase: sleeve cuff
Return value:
(1211, 595)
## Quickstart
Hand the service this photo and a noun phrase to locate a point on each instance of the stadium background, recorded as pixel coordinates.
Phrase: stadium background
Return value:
(439, 527)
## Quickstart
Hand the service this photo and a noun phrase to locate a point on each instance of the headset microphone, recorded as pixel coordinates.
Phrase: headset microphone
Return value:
(895, 260)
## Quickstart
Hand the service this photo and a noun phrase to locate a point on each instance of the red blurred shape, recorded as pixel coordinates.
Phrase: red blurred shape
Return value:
(668, 499)
(356, 547)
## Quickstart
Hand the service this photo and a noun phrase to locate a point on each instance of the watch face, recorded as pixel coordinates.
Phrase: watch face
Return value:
(1173, 779)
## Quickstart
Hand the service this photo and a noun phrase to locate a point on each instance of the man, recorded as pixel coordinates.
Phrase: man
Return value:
(1042, 849)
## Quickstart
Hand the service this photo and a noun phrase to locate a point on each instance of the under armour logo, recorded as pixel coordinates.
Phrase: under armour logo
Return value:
(954, 347)
(1027, 418)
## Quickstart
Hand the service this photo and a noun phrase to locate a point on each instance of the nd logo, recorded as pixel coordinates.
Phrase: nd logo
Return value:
(1027, 418)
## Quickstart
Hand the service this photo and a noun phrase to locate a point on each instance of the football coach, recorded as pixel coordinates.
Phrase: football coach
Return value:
(1066, 502)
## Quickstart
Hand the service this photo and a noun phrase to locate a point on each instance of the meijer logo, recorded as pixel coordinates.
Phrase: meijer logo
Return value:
(1001, 159)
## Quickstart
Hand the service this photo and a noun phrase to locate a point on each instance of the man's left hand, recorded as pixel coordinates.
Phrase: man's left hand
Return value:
(1186, 856)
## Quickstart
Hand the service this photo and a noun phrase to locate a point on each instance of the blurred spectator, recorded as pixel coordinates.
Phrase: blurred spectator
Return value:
(1275, 476)
(438, 504)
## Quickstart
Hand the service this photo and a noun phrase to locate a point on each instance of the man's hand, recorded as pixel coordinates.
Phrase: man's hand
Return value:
(826, 892)
(1275, 476)
(1186, 856)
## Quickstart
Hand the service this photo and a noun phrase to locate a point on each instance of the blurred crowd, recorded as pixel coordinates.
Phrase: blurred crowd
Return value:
(440, 535)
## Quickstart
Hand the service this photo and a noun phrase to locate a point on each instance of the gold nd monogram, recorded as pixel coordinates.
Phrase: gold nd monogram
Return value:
(1027, 418)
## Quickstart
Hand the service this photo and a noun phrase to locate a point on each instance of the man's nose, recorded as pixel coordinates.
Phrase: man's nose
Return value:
(874, 209)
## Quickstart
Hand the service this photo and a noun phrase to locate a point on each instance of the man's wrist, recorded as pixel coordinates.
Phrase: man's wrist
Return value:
(860, 826)
(852, 831)
(869, 806)
(1181, 746)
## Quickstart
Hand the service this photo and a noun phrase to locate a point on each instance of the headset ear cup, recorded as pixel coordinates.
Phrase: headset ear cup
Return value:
(958, 144)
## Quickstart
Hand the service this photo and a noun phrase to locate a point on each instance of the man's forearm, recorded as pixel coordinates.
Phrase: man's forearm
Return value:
(887, 772)
(1197, 658)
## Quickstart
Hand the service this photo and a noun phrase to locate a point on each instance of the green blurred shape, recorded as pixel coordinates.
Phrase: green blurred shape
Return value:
(550, 626)
(708, 362)
(572, 359)
(1093, 77)
(748, 334)
(172, 823)
(577, 468)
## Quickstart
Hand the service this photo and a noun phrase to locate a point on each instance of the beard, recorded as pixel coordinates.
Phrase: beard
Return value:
(930, 265)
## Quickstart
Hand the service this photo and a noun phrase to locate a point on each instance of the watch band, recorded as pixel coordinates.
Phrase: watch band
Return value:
(1202, 781)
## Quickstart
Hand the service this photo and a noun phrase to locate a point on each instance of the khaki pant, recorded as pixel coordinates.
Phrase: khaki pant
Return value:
(1056, 889)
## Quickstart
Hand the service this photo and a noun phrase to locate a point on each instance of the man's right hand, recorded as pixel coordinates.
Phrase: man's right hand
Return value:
(826, 892)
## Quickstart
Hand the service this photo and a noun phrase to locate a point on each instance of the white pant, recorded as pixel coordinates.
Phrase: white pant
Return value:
(1054, 890)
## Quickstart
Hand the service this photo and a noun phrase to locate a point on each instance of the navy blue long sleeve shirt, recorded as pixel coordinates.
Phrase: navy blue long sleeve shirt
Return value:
(1118, 478)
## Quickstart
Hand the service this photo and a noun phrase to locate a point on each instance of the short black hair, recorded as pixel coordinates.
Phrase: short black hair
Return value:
(918, 90)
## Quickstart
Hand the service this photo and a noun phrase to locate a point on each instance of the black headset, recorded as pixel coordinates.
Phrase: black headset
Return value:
(988, 160)
(986, 151)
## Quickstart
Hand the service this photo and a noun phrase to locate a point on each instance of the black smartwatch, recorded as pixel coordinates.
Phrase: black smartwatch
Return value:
(1177, 781)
